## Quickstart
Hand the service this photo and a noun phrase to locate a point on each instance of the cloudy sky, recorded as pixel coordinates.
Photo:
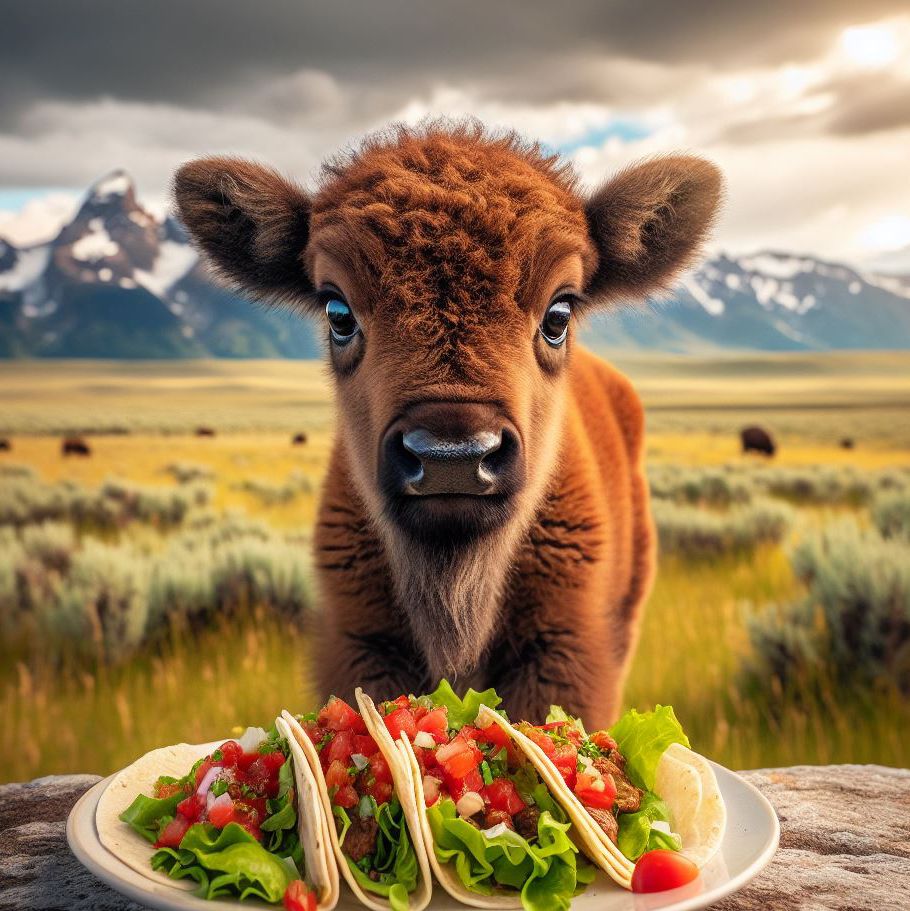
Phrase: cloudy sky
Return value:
(806, 106)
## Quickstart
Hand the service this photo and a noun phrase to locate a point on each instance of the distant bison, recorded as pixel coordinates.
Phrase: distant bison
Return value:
(5, 445)
(205, 432)
(75, 446)
(846, 443)
(299, 439)
(757, 439)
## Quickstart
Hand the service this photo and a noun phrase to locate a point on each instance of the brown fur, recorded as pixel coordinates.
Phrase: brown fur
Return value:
(449, 243)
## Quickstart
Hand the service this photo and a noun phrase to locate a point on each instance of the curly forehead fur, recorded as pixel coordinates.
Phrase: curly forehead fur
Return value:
(449, 226)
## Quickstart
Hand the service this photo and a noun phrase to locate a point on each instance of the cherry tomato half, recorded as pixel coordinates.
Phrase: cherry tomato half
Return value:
(659, 870)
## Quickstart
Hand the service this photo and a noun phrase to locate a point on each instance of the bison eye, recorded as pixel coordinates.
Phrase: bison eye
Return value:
(554, 326)
(341, 319)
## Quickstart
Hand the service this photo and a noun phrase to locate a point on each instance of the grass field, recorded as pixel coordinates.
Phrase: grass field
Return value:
(63, 713)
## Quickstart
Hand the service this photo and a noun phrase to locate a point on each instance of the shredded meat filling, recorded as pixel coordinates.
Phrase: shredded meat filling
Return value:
(526, 822)
(606, 820)
(360, 839)
(628, 797)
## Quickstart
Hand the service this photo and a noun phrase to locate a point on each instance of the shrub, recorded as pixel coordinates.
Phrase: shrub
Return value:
(26, 501)
(11, 470)
(101, 599)
(187, 472)
(853, 626)
(817, 484)
(891, 514)
(694, 532)
(273, 494)
(710, 486)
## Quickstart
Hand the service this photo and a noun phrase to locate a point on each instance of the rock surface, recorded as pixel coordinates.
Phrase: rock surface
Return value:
(845, 844)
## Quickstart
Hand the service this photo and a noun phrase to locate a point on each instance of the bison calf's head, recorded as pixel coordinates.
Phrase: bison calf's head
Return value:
(449, 269)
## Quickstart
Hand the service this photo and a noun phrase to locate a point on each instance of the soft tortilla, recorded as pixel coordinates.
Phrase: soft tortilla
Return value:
(138, 778)
(420, 897)
(407, 761)
(686, 782)
(133, 850)
(592, 841)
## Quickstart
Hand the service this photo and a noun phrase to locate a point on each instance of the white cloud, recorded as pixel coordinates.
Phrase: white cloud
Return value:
(39, 219)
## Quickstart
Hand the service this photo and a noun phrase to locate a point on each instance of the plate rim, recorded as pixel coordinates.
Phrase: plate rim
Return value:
(178, 901)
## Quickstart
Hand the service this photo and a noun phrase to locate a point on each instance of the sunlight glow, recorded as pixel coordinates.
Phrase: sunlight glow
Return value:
(870, 46)
(891, 232)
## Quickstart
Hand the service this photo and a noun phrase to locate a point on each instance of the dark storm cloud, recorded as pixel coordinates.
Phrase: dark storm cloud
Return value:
(206, 51)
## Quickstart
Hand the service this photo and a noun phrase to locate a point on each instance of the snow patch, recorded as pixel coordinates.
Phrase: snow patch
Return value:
(712, 305)
(117, 184)
(95, 246)
(29, 264)
(733, 281)
(855, 287)
(777, 266)
(174, 260)
(105, 274)
(126, 283)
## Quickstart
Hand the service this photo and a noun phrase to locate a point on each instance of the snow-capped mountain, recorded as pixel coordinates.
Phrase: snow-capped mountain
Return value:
(117, 282)
(769, 301)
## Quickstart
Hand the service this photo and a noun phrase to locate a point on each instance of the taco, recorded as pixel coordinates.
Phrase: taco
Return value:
(240, 820)
(368, 803)
(495, 835)
(633, 789)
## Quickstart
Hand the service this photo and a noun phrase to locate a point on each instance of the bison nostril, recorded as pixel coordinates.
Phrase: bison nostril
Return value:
(409, 462)
(500, 457)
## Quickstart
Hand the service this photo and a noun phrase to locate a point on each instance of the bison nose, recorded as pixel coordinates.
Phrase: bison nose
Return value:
(422, 463)
(443, 465)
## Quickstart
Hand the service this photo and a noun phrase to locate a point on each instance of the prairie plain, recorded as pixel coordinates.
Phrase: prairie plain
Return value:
(159, 590)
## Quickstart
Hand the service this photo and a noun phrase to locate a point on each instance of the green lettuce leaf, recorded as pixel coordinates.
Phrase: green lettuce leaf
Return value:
(145, 814)
(558, 713)
(394, 859)
(642, 738)
(463, 711)
(227, 862)
(547, 872)
(635, 833)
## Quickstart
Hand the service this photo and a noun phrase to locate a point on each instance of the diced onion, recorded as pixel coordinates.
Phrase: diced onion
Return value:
(207, 780)
(586, 761)
(430, 789)
(660, 825)
(424, 739)
(223, 801)
(597, 784)
(360, 761)
(251, 738)
(470, 803)
(499, 829)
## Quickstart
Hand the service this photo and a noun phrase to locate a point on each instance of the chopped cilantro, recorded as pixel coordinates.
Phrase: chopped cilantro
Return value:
(486, 772)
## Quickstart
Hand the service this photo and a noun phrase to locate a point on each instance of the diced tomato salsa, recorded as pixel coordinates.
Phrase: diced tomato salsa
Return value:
(472, 766)
(351, 761)
(229, 785)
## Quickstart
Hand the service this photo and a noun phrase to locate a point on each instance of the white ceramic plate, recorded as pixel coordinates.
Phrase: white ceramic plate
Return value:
(749, 843)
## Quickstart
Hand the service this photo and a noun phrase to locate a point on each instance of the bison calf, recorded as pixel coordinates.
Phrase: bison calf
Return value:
(485, 512)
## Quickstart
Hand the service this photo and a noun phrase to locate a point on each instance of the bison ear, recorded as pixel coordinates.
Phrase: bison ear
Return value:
(251, 223)
(649, 222)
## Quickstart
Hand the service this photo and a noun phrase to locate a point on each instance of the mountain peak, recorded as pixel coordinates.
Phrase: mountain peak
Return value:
(115, 184)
